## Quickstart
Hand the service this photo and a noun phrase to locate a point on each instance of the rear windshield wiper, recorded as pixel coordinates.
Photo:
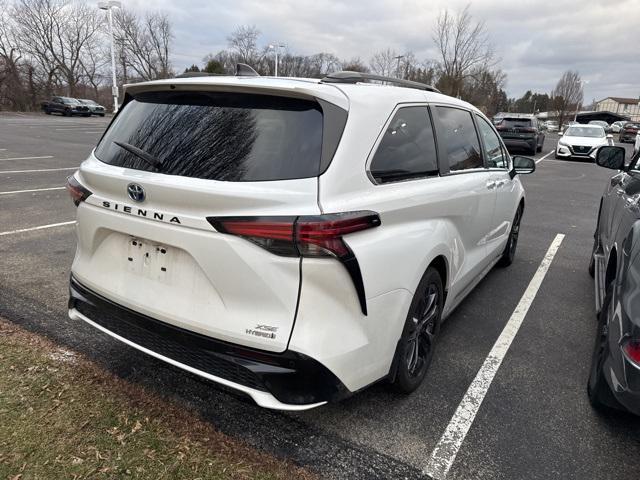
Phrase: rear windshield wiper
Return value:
(150, 159)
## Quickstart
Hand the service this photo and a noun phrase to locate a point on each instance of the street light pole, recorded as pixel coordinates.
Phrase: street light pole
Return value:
(277, 47)
(114, 88)
(399, 57)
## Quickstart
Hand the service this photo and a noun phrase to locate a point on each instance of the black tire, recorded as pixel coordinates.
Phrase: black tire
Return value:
(598, 390)
(47, 111)
(416, 346)
(509, 253)
(102, 114)
(67, 113)
(533, 150)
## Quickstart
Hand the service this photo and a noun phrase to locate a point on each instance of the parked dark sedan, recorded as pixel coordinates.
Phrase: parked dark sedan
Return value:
(94, 107)
(521, 131)
(66, 106)
(614, 380)
(629, 131)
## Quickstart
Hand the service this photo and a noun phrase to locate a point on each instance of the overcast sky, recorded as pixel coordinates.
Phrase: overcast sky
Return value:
(536, 40)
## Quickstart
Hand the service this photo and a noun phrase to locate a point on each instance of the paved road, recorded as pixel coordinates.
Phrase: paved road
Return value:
(535, 421)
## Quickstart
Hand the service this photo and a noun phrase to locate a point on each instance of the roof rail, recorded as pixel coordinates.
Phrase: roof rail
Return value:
(244, 70)
(357, 77)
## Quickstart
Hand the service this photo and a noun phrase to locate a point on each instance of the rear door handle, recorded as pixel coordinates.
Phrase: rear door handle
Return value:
(491, 185)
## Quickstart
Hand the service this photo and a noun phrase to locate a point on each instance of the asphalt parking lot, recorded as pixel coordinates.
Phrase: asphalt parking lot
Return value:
(535, 421)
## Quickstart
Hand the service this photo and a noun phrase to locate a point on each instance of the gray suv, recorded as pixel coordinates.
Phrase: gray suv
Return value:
(521, 131)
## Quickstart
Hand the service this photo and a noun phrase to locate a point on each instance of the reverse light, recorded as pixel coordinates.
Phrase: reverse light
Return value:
(77, 192)
(305, 236)
(631, 349)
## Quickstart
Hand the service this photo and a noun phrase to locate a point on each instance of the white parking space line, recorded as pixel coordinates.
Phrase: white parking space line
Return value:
(25, 158)
(32, 229)
(542, 158)
(33, 190)
(2, 149)
(38, 170)
(86, 127)
(447, 448)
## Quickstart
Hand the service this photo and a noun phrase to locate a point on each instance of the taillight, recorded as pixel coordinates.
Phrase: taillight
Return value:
(305, 236)
(271, 233)
(322, 235)
(77, 192)
(631, 348)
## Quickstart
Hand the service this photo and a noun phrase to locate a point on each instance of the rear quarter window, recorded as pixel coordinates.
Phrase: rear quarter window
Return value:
(218, 136)
(407, 149)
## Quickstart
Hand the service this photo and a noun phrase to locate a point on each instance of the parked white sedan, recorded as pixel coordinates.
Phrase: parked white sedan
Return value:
(582, 142)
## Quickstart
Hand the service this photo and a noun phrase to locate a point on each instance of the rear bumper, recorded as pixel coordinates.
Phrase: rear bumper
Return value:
(520, 142)
(285, 381)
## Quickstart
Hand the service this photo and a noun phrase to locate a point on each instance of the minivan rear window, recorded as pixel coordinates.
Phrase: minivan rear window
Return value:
(223, 136)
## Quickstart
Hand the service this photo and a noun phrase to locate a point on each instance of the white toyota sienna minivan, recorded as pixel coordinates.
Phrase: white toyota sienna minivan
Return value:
(293, 239)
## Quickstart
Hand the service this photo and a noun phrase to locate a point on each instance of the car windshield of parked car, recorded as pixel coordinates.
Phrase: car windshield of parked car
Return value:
(591, 132)
(632, 125)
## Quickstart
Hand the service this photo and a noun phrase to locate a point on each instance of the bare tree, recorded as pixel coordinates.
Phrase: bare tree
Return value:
(485, 89)
(464, 47)
(144, 43)
(384, 63)
(243, 41)
(93, 62)
(11, 85)
(35, 31)
(568, 95)
(55, 33)
(355, 65)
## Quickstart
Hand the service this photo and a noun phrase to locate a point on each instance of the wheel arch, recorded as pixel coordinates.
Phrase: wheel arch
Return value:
(441, 264)
(612, 267)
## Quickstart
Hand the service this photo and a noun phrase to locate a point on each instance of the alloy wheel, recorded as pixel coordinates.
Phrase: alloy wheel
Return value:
(423, 329)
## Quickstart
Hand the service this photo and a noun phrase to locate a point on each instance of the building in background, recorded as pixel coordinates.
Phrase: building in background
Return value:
(627, 107)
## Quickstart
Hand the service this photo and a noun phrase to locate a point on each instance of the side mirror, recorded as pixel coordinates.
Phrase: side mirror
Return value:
(611, 157)
(522, 166)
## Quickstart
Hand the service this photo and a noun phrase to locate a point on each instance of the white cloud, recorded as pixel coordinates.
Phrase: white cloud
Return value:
(536, 40)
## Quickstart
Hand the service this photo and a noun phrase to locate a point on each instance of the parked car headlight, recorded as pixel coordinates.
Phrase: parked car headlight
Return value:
(562, 143)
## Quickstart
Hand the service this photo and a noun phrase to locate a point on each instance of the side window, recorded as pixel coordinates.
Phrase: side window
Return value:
(492, 147)
(408, 148)
(461, 141)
